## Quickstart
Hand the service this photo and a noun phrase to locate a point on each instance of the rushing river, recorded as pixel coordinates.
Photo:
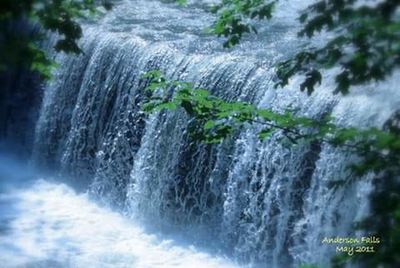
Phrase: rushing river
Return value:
(263, 204)
(46, 224)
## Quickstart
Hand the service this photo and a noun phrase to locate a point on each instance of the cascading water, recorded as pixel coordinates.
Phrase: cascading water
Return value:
(44, 224)
(262, 203)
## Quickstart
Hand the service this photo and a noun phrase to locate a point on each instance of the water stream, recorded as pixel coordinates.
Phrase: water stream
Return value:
(46, 224)
(260, 203)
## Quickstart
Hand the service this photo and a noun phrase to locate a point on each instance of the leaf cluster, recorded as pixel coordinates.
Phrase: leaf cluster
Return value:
(20, 48)
(378, 151)
(220, 118)
(234, 18)
(365, 43)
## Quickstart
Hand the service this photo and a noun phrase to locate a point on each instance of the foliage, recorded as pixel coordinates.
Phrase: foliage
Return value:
(232, 14)
(20, 48)
(216, 118)
(384, 219)
(378, 150)
(234, 18)
(365, 43)
(363, 46)
(219, 119)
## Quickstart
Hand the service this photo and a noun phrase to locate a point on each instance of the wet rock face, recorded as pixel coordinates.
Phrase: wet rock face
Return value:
(20, 97)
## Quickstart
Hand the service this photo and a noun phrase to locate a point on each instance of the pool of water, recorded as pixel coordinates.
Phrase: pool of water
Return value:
(47, 224)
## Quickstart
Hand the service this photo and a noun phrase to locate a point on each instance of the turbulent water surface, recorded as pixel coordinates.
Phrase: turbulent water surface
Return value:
(260, 203)
(45, 224)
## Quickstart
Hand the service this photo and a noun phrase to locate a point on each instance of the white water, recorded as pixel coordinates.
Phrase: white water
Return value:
(264, 203)
(48, 225)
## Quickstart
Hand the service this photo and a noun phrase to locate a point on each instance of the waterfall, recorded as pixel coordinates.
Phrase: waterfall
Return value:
(261, 202)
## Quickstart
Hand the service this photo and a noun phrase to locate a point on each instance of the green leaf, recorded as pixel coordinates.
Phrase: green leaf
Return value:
(209, 124)
(265, 133)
